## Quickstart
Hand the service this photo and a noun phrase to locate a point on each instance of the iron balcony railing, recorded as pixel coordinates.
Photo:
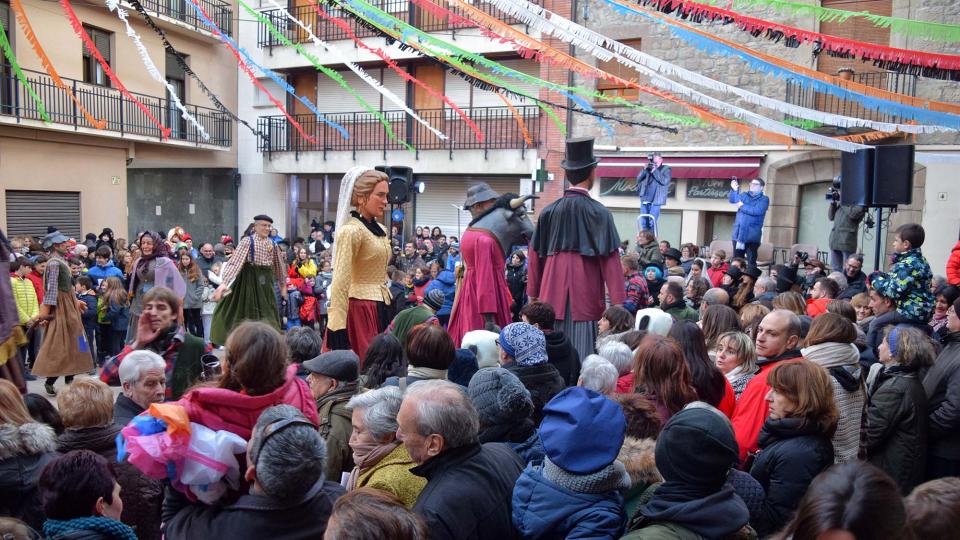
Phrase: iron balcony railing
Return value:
(498, 124)
(121, 115)
(217, 10)
(327, 31)
(902, 83)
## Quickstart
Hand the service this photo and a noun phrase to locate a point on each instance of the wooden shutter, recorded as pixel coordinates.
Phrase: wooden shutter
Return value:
(173, 68)
(31, 212)
(613, 89)
(102, 40)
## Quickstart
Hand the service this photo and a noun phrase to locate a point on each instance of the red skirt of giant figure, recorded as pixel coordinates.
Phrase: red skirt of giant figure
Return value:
(483, 288)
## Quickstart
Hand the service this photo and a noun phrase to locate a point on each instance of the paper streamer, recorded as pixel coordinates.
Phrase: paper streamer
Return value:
(820, 82)
(518, 119)
(921, 29)
(114, 5)
(88, 42)
(186, 69)
(597, 44)
(48, 65)
(240, 54)
(12, 58)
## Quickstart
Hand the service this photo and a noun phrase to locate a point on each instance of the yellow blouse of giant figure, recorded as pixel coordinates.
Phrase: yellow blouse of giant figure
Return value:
(359, 269)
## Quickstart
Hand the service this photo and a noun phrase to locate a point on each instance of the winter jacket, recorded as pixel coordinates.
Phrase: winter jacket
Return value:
(236, 412)
(942, 386)
(89, 315)
(841, 360)
(117, 316)
(749, 221)
(846, 224)
(562, 355)
(639, 459)
(543, 381)
(193, 299)
(953, 265)
(817, 306)
(24, 451)
(716, 274)
(468, 492)
(335, 428)
(908, 282)
(855, 286)
(697, 519)
(392, 474)
(294, 301)
(895, 437)
(26, 298)
(307, 269)
(99, 273)
(252, 516)
(681, 311)
(543, 509)
(638, 296)
(790, 457)
(625, 384)
(447, 283)
(649, 255)
(653, 184)
(752, 407)
(124, 409)
(142, 495)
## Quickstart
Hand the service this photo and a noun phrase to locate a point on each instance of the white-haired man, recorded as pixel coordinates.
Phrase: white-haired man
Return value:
(143, 382)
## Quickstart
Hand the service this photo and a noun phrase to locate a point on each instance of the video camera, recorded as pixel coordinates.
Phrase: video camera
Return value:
(833, 192)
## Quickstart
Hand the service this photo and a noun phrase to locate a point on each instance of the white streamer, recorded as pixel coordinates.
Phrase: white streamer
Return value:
(595, 44)
(114, 5)
(366, 77)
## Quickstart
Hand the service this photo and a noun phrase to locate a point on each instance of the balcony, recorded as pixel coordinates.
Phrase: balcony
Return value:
(327, 31)
(498, 125)
(179, 12)
(123, 118)
(805, 97)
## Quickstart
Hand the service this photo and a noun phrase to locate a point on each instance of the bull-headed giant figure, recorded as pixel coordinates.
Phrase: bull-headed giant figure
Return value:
(499, 223)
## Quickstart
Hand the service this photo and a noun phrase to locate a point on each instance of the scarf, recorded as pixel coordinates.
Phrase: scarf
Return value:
(938, 322)
(366, 455)
(54, 528)
(613, 477)
(421, 282)
(164, 340)
(734, 374)
(426, 373)
(830, 355)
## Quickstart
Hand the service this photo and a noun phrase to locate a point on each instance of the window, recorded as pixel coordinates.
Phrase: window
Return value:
(7, 80)
(613, 89)
(92, 70)
(176, 77)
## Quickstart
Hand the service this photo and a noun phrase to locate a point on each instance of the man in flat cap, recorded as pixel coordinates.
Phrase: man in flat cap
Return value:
(249, 276)
(333, 381)
(575, 253)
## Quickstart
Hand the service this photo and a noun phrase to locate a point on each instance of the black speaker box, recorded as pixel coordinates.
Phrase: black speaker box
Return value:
(856, 177)
(399, 182)
(893, 175)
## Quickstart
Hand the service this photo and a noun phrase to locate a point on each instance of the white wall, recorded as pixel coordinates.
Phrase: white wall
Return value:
(941, 218)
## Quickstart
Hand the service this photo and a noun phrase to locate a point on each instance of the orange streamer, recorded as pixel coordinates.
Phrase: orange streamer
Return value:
(48, 65)
(516, 116)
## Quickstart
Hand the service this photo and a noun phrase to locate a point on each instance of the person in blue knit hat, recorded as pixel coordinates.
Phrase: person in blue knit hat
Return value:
(575, 491)
(523, 352)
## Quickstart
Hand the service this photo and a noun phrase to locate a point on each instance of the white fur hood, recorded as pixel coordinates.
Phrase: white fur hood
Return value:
(26, 440)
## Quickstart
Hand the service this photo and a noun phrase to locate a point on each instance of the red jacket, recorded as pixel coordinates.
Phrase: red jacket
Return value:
(818, 306)
(625, 384)
(953, 266)
(716, 274)
(37, 280)
(753, 409)
(728, 404)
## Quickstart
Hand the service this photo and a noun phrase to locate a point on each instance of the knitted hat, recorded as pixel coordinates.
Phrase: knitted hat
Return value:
(697, 447)
(434, 299)
(343, 365)
(499, 397)
(582, 431)
(524, 343)
(463, 367)
(893, 339)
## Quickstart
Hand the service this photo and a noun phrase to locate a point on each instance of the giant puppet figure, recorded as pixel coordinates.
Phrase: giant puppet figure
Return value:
(575, 253)
(499, 223)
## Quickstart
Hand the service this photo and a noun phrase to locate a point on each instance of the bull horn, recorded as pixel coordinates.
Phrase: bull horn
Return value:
(518, 202)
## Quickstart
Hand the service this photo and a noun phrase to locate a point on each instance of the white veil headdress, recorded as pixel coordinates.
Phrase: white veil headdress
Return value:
(343, 203)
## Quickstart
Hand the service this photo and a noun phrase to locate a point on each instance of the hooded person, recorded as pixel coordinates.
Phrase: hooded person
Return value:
(575, 491)
(504, 407)
(695, 452)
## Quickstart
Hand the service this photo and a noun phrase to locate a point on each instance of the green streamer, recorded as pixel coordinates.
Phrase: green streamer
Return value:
(556, 119)
(425, 38)
(326, 71)
(8, 52)
(909, 27)
(803, 123)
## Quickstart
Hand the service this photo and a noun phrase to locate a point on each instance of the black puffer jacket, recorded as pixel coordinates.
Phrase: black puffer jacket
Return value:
(563, 356)
(895, 438)
(942, 385)
(142, 496)
(790, 457)
(543, 381)
(24, 451)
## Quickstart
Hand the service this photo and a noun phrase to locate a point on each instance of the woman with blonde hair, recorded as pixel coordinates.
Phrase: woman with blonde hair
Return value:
(736, 358)
(358, 293)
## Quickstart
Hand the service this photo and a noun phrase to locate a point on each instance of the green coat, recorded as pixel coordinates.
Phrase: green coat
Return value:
(336, 428)
(392, 474)
(682, 312)
(672, 531)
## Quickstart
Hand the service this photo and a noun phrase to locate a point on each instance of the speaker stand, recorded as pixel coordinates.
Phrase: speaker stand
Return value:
(879, 241)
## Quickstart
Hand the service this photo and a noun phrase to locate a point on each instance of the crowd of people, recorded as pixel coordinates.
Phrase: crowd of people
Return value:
(710, 399)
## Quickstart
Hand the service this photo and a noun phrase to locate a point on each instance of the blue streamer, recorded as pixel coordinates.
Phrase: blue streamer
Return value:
(712, 47)
(276, 78)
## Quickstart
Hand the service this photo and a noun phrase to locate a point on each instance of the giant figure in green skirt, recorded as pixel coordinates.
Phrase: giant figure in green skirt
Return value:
(247, 291)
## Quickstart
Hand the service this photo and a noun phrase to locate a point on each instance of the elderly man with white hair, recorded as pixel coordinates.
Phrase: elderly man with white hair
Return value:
(143, 381)
(469, 485)
(599, 375)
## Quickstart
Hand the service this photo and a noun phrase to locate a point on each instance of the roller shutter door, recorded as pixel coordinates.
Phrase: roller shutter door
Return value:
(31, 212)
(433, 205)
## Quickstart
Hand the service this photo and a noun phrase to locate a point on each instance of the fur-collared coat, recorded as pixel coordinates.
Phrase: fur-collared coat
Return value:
(637, 456)
(24, 451)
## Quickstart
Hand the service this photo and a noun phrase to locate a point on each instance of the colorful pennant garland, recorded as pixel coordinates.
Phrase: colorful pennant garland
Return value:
(925, 64)
(88, 42)
(114, 5)
(12, 58)
(909, 27)
(27, 28)
(871, 98)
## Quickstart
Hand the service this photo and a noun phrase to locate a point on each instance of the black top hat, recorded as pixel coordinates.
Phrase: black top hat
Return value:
(673, 253)
(734, 272)
(579, 154)
(753, 272)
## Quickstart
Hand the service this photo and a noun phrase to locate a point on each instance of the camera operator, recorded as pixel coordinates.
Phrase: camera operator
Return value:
(751, 210)
(846, 223)
(653, 183)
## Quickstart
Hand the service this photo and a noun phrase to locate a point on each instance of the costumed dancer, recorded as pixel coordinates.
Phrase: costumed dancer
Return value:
(65, 350)
(246, 292)
(153, 268)
(359, 293)
(575, 252)
(483, 296)
(11, 333)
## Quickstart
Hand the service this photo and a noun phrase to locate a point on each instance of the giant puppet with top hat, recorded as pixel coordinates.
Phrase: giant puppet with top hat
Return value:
(574, 258)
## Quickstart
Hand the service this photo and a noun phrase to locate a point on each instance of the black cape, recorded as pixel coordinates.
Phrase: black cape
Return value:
(575, 223)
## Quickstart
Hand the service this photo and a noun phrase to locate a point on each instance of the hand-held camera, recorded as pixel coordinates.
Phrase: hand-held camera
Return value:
(833, 192)
(802, 256)
(650, 162)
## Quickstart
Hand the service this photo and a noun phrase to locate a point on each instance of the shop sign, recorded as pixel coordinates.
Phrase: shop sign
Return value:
(627, 187)
(708, 188)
